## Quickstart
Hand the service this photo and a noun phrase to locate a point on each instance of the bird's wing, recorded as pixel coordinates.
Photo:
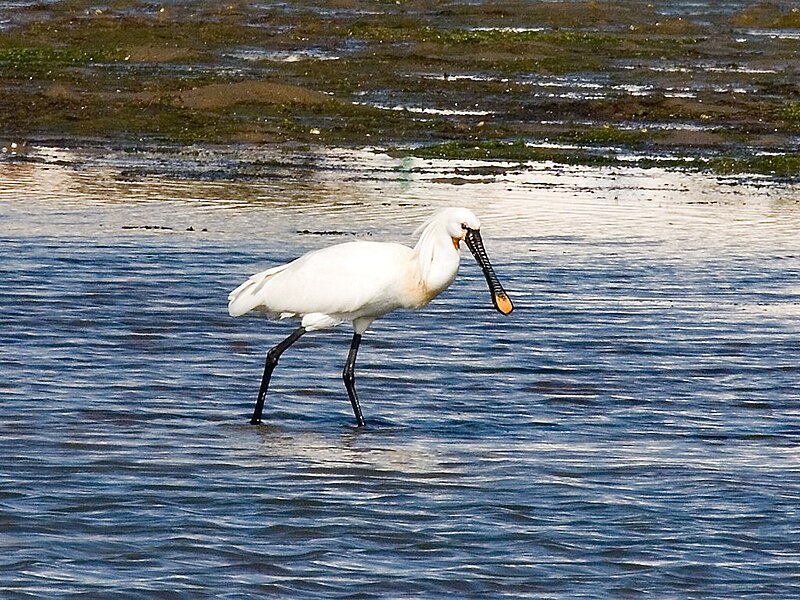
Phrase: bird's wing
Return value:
(246, 297)
(342, 280)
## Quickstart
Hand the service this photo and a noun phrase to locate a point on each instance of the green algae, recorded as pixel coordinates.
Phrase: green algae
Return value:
(115, 34)
(26, 56)
(607, 135)
(554, 50)
(117, 72)
(790, 113)
(26, 62)
(515, 151)
(779, 165)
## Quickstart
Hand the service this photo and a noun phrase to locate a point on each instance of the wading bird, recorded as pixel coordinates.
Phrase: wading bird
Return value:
(361, 281)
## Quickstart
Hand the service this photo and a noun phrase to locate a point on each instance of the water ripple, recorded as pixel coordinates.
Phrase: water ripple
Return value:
(631, 429)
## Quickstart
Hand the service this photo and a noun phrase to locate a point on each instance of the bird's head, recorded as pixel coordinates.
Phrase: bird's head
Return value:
(457, 222)
(461, 224)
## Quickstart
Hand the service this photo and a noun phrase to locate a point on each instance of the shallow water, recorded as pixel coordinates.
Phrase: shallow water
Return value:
(631, 429)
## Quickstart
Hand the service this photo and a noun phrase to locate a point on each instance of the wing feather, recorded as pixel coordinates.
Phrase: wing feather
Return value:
(340, 281)
(246, 297)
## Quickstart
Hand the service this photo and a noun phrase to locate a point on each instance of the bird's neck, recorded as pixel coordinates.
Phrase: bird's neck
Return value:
(437, 258)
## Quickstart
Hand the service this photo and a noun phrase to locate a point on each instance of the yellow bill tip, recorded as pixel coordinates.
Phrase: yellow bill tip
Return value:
(503, 303)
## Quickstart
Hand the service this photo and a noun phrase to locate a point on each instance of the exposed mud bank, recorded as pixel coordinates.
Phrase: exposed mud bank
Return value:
(705, 86)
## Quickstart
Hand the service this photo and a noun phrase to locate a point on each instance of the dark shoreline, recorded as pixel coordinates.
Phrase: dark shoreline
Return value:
(573, 83)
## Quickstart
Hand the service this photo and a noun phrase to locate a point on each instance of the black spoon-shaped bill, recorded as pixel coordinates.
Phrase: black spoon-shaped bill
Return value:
(500, 299)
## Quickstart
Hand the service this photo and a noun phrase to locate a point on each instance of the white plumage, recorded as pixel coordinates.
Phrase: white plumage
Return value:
(326, 287)
(361, 281)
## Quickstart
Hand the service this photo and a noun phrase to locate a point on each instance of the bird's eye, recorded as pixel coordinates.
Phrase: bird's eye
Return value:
(464, 226)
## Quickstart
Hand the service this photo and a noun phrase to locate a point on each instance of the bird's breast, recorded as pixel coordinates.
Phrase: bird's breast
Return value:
(419, 289)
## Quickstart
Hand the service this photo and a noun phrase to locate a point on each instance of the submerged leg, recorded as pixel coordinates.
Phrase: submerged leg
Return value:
(350, 378)
(272, 360)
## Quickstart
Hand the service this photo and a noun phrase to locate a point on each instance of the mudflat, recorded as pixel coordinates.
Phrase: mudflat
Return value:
(711, 86)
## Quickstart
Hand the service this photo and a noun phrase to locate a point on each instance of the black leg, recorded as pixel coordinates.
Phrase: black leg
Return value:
(272, 360)
(350, 378)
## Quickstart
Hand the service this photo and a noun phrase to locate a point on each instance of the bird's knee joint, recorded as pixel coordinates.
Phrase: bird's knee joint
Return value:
(349, 376)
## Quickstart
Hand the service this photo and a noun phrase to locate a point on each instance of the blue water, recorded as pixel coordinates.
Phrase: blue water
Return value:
(632, 429)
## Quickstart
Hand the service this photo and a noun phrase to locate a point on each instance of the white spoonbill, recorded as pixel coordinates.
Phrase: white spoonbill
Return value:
(361, 281)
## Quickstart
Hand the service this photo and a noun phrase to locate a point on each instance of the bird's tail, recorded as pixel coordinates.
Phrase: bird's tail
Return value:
(246, 297)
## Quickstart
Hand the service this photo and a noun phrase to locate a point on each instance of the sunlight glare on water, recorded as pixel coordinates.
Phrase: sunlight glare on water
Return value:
(631, 428)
